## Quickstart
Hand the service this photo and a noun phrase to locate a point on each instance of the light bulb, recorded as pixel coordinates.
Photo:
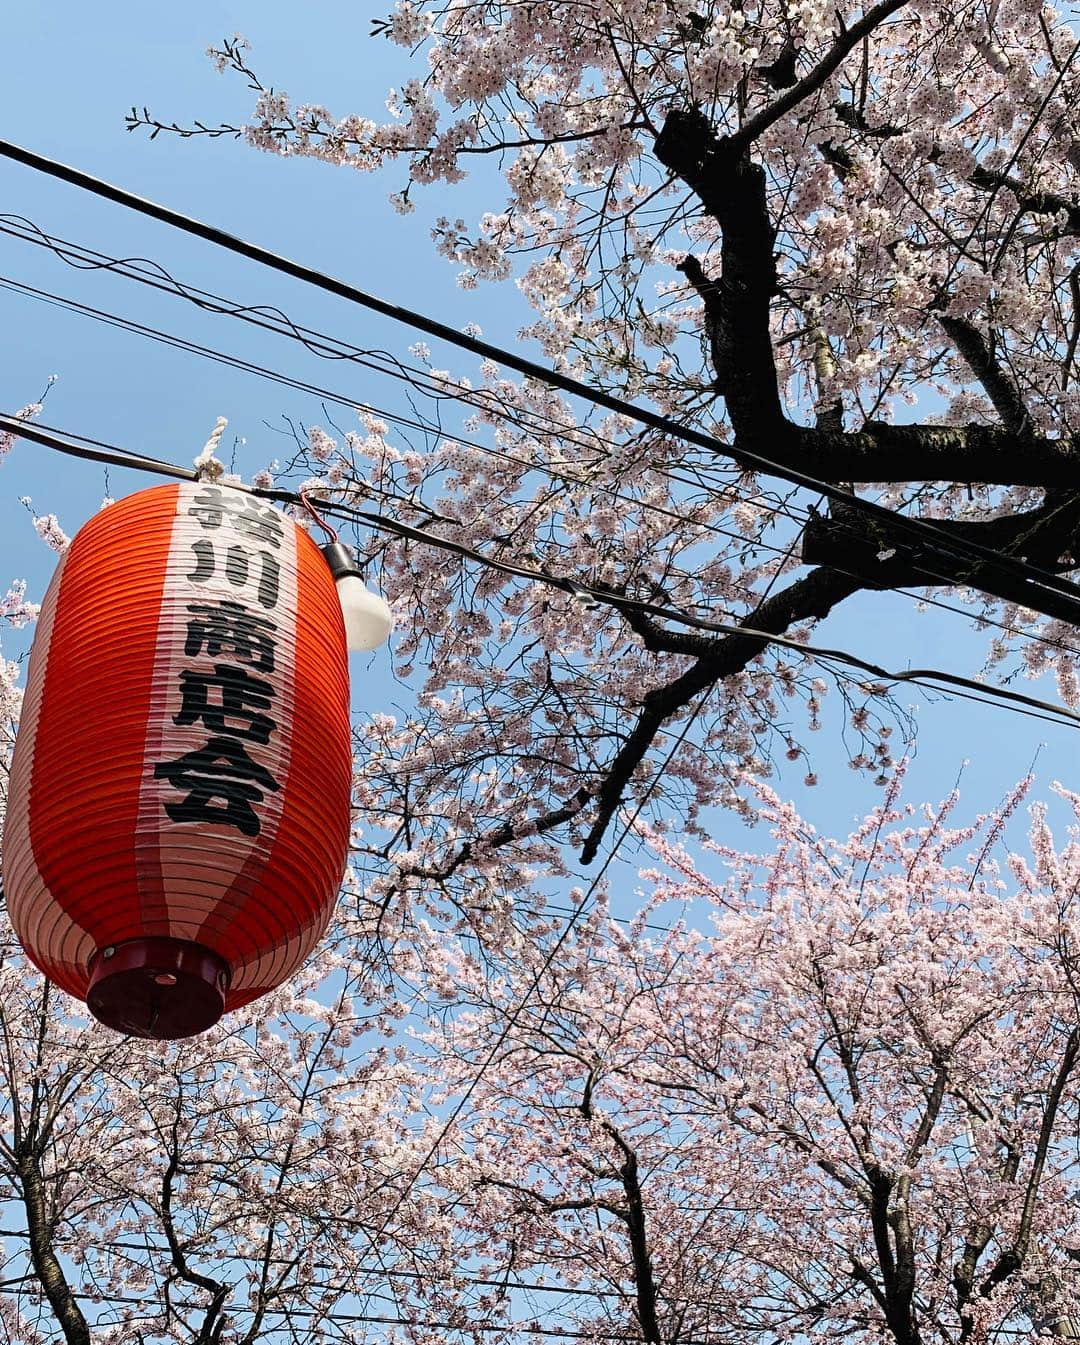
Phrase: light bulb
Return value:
(368, 619)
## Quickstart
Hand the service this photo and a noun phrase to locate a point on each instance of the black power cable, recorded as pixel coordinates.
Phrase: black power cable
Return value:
(282, 379)
(96, 451)
(998, 575)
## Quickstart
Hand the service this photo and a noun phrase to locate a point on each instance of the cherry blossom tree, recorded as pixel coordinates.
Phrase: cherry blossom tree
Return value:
(848, 1112)
(791, 225)
(843, 240)
(249, 1185)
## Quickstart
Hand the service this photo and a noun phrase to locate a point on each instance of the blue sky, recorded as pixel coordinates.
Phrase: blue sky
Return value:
(68, 83)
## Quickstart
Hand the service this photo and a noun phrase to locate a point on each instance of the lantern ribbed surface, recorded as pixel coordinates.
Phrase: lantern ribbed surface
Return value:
(178, 811)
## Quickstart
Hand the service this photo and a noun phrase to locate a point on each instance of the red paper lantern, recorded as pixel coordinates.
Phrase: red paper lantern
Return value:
(178, 812)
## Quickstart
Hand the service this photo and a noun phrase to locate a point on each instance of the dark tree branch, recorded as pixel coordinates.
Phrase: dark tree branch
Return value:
(1002, 391)
(40, 1224)
(212, 1323)
(811, 597)
(31, 1142)
(856, 555)
(502, 835)
(886, 558)
(708, 292)
(848, 40)
(977, 454)
(847, 548)
(1032, 202)
(555, 1206)
(1029, 202)
(862, 1274)
(633, 1216)
(732, 189)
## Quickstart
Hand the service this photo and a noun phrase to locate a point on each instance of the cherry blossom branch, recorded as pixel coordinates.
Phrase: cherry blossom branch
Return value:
(999, 387)
(634, 1219)
(1031, 202)
(812, 597)
(732, 189)
(503, 835)
(138, 119)
(554, 1206)
(842, 47)
(1012, 1258)
(218, 1290)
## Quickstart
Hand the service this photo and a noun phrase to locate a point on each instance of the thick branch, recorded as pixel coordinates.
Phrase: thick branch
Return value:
(982, 454)
(887, 557)
(812, 597)
(1032, 202)
(732, 190)
(897, 1267)
(999, 387)
(47, 1268)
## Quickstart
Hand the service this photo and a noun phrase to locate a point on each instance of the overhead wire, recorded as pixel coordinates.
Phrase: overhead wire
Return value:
(342, 399)
(1044, 584)
(444, 1324)
(432, 384)
(564, 474)
(96, 451)
(331, 347)
(267, 317)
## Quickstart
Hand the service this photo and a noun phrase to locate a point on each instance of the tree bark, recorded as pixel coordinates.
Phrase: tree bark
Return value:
(47, 1267)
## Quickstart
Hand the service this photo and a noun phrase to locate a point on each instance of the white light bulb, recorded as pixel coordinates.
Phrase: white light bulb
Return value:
(368, 619)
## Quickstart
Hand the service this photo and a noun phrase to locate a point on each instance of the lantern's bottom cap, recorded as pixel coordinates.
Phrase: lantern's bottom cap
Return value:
(159, 988)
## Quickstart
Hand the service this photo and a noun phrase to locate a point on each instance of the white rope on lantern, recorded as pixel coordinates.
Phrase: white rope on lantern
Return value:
(207, 464)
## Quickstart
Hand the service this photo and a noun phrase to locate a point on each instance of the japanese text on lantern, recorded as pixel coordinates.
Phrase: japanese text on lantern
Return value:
(221, 780)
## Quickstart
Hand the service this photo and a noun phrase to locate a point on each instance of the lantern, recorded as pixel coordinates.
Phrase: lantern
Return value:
(178, 816)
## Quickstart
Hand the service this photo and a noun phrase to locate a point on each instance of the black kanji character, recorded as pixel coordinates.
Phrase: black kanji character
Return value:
(228, 626)
(237, 569)
(242, 697)
(220, 770)
(212, 506)
(204, 561)
(269, 579)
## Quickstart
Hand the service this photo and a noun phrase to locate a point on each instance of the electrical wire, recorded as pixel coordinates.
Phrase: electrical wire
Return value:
(437, 387)
(341, 399)
(380, 1272)
(266, 317)
(527, 1328)
(351, 403)
(1042, 583)
(330, 347)
(95, 451)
